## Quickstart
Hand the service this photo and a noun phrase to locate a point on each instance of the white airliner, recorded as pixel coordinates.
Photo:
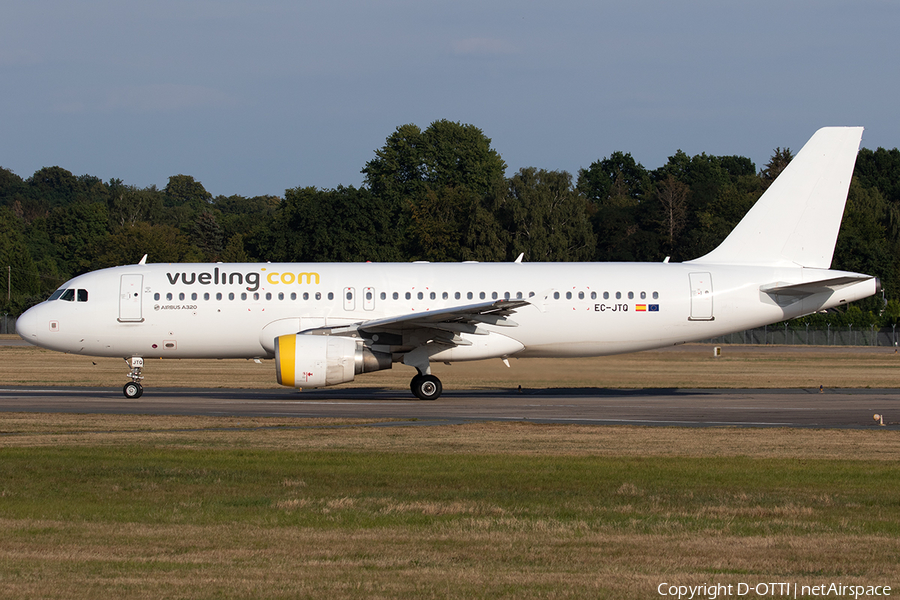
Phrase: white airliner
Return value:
(326, 323)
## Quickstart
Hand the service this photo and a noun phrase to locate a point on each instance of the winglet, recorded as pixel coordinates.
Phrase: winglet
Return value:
(796, 221)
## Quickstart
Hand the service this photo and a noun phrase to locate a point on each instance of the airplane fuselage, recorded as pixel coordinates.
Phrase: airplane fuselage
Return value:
(575, 309)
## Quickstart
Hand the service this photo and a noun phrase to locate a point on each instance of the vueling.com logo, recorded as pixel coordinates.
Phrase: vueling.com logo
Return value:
(251, 279)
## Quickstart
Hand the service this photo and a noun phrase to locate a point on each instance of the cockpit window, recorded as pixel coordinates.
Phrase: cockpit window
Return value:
(82, 295)
(55, 295)
(68, 295)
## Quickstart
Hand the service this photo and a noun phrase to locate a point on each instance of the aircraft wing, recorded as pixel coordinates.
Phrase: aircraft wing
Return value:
(444, 324)
(494, 312)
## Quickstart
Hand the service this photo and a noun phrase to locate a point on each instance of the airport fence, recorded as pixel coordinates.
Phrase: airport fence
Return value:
(7, 324)
(806, 335)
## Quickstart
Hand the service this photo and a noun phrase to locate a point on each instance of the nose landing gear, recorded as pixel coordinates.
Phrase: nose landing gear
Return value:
(134, 389)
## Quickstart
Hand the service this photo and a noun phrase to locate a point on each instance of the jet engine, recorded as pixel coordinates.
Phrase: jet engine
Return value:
(309, 361)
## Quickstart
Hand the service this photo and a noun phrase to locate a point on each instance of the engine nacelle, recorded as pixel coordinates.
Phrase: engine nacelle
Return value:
(309, 361)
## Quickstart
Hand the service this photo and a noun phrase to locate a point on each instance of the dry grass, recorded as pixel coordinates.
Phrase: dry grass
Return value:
(525, 439)
(460, 561)
(691, 366)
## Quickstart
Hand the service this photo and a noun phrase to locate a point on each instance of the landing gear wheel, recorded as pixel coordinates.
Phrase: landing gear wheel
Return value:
(133, 389)
(414, 384)
(426, 387)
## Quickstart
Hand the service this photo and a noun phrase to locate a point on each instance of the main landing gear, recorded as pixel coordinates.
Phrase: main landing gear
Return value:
(134, 389)
(426, 387)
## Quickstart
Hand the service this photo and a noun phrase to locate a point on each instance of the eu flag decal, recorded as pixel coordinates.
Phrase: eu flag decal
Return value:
(653, 307)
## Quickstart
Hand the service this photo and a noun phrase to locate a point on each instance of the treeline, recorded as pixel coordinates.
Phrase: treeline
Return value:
(439, 194)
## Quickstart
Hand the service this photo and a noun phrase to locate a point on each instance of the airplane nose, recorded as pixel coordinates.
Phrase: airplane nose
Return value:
(27, 325)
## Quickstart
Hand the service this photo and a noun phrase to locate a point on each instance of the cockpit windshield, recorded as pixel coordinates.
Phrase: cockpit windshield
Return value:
(69, 295)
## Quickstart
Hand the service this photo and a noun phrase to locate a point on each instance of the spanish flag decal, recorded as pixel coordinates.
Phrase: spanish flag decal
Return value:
(640, 307)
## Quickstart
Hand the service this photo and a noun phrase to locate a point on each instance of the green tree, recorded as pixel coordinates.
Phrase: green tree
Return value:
(12, 188)
(185, 198)
(546, 218)
(54, 186)
(161, 243)
(16, 264)
(863, 245)
(77, 231)
(208, 236)
(780, 159)
(344, 224)
(880, 169)
(127, 204)
(624, 220)
(430, 179)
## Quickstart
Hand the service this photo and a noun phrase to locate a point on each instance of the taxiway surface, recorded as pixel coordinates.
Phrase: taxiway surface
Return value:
(830, 408)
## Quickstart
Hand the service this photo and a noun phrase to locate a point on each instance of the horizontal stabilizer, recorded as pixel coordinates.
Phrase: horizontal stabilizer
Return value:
(812, 287)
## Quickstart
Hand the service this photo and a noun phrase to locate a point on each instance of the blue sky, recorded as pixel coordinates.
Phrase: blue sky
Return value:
(256, 97)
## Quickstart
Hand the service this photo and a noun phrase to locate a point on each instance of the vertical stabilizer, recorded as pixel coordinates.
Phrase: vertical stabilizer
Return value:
(796, 221)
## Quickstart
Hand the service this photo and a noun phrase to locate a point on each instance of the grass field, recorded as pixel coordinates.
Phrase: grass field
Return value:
(109, 506)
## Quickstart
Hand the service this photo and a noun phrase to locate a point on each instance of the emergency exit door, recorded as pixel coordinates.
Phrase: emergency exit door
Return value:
(701, 297)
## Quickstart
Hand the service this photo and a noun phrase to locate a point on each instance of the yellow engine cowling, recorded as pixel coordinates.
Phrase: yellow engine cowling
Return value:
(309, 361)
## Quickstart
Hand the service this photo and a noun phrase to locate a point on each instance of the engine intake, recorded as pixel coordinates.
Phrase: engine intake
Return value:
(309, 361)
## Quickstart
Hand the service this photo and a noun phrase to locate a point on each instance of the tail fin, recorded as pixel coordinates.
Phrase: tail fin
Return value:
(796, 221)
